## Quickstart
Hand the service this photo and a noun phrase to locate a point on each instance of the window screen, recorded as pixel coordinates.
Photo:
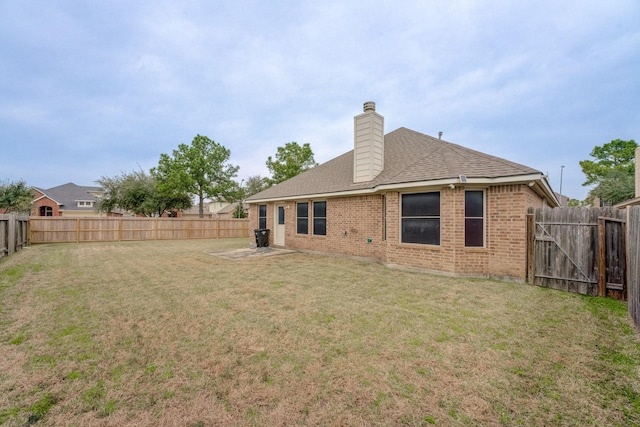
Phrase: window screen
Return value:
(474, 218)
(320, 218)
(262, 216)
(421, 218)
(302, 218)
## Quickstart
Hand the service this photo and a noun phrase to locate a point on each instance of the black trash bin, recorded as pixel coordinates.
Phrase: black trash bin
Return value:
(262, 237)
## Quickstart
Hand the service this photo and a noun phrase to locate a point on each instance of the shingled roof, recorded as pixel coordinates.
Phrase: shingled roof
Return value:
(67, 195)
(410, 158)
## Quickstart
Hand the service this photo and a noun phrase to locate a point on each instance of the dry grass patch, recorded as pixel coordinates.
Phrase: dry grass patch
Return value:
(162, 333)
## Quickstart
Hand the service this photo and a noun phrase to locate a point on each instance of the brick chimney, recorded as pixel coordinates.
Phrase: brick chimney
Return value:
(368, 153)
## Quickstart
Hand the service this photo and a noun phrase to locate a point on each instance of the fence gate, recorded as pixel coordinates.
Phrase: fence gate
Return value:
(578, 250)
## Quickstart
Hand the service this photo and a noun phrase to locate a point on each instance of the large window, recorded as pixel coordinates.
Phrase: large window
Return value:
(302, 218)
(262, 216)
(421, 218)
(320, 218)
(474, 218)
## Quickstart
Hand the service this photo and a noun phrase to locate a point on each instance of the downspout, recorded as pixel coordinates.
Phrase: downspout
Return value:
(455, 217)
(383, 244)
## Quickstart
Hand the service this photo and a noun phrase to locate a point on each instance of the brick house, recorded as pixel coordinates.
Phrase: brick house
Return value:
(408, 199)
(68, 200)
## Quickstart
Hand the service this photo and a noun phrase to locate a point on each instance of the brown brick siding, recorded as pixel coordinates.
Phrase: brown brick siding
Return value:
(439, 258)
(351, 223)
(507, 210)
(45, 201)
(355, 227)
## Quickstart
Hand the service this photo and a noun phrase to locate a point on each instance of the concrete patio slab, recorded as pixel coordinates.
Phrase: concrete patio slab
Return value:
(245, 253)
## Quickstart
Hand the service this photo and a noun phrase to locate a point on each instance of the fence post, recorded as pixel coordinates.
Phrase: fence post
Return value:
(633, 263)
(11, 234)
(531, 223)
(601, 259)
(625, 288)
(27, 231)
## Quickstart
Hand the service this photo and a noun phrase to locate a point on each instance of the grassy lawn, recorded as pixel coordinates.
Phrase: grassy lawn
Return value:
(164, 333)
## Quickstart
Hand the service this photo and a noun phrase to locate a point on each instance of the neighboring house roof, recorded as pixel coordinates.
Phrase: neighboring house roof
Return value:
(410, 159)
(215, 206)
(564, 200)
(194, 210)
(231, 208)
(227, 207)
(68, 195)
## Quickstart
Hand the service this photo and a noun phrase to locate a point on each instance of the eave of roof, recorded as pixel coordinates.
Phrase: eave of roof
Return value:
(47, 197)
(536, 181)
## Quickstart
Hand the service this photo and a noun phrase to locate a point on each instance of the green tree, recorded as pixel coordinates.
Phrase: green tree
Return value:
(171, 202)
(575, 203)
(237, 195)
(615, 155)
(254, 185)
(138, 193)
(199, 169)
(615, 187)
(15, 197)
(291, 160)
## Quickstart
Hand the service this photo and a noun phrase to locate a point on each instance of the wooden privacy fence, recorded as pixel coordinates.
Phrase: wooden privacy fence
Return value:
(13, 233)
(633, 263)
(579, 250)
(63, 230)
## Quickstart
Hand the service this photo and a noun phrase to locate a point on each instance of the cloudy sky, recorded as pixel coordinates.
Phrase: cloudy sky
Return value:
(92, 89)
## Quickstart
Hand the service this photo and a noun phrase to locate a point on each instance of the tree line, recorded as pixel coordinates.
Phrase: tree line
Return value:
(195, 173)
(201, 170)
(192, 173)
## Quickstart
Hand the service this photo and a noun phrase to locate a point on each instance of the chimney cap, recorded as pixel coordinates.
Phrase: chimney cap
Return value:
(369, 106)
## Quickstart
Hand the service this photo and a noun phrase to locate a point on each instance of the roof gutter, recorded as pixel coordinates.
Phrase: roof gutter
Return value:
(537, 181)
